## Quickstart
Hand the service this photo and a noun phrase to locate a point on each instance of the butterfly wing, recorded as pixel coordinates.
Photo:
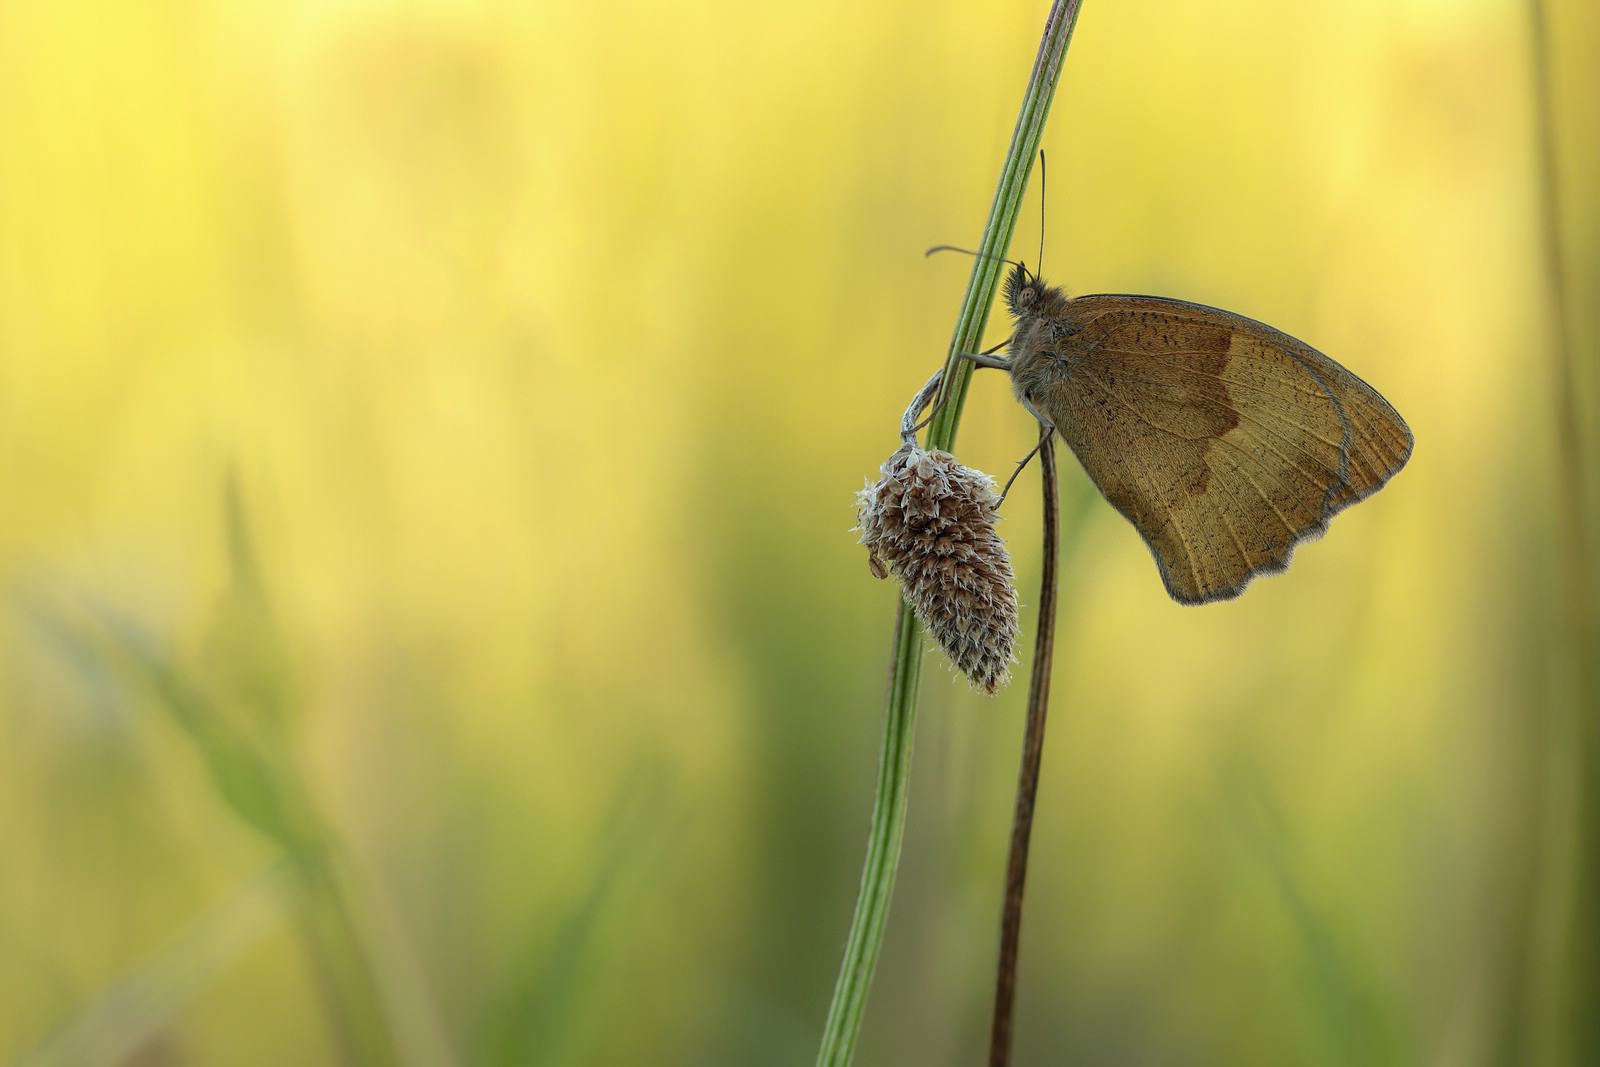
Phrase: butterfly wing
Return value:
(1224, 441)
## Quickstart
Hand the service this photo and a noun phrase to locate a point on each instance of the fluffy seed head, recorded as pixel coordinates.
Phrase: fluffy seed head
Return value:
(929, 521)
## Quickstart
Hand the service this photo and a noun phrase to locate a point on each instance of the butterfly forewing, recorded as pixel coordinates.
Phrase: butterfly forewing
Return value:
(1224, 441)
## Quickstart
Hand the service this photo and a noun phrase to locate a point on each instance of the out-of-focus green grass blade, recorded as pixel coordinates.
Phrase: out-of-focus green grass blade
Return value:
(1565, 970)
(538, 1020)
(246, 657)
(1351, 1027)
(238, 737)
(113, 1027)
(256, 785)
(257, 781)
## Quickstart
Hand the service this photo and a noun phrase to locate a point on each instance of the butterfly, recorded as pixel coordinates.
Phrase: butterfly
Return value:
(1224, 441)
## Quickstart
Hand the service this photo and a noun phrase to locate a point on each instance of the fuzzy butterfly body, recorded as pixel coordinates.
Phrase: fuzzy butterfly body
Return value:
(1224, 441)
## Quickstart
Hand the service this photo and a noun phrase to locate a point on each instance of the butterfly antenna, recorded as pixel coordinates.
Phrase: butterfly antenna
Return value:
(970, 252)
(1041, 211)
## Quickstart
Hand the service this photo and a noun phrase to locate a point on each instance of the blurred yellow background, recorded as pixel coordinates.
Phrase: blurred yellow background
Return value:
(428, 434)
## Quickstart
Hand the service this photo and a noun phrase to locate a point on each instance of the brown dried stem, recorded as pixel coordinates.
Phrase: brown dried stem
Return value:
(1005, 987)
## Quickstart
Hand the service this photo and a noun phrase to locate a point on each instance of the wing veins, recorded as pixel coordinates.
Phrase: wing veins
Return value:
(1340, 475)
(1109, 390)
(1155, 359)
(1262, 493)
(1142, 473)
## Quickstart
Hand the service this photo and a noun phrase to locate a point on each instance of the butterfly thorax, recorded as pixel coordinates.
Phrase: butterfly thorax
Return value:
(1038, 348)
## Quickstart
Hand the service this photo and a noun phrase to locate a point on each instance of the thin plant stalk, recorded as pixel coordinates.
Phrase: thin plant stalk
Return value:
(1561, 995)
(848, 1007)
(1005, 986)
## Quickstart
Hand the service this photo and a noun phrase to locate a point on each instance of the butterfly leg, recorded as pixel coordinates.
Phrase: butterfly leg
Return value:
(982, 359)
(987, 358)
(1044, 436)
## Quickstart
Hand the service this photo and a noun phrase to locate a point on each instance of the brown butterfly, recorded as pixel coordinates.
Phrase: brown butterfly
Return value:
(1224, 441)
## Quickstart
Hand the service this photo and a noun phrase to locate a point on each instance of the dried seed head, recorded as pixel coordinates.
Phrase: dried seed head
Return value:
(929, 521)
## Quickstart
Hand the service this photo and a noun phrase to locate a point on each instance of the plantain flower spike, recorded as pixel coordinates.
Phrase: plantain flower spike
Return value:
(930, 522)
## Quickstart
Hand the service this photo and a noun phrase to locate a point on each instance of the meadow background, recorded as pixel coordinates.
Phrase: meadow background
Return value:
(430, 626)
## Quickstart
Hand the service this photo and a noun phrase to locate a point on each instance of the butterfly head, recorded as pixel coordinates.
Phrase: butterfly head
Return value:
(1025, 292)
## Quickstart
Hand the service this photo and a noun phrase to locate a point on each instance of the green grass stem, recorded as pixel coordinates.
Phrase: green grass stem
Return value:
(848, 1008)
